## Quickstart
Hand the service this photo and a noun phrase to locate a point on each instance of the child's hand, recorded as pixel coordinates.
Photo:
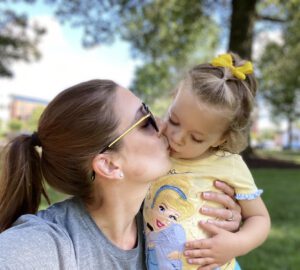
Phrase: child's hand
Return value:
(212, 252)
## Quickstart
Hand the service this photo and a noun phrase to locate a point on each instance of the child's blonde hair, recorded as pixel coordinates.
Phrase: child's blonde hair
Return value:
(217, 86)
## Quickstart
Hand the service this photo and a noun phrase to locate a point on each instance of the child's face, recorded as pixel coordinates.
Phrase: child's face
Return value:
(193, 127)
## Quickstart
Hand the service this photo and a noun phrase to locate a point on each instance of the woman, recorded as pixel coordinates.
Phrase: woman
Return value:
(99, 143)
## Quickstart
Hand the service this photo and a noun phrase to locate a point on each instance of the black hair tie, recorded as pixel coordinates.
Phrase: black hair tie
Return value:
(35, 141)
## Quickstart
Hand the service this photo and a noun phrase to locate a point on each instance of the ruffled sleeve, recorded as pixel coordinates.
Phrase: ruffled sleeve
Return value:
(243, 182)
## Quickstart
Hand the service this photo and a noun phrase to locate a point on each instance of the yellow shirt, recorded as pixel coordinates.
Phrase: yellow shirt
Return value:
(176, 198)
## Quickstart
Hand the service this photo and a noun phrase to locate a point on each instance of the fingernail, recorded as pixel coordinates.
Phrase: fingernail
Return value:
(190, 260)
(187, 245)
(206, 194)
(204, 209)
(186, 253)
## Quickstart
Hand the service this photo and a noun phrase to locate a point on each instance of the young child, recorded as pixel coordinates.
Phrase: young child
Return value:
(207, 127)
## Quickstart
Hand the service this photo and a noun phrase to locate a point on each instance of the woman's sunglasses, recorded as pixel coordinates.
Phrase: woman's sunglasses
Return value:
(148, 116)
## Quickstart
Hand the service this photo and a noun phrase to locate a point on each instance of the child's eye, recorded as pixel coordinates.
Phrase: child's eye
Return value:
(172, 122)
(196, 140)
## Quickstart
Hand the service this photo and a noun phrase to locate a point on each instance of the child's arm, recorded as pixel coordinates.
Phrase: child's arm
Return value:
(223, 245)
(256, 225)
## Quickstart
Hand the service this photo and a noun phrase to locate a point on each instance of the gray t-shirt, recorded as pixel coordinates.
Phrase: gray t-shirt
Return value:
(65, 237)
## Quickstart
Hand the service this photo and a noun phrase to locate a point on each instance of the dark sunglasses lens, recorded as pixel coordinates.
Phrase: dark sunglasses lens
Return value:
(153, 122)
(151, 118)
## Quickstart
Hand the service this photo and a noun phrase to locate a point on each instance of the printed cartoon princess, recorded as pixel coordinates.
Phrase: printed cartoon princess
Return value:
(165, 237)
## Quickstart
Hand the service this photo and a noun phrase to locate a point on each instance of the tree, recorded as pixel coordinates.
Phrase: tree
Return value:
(18, 39)
(170, 35)
(167, 35)
(280, 67)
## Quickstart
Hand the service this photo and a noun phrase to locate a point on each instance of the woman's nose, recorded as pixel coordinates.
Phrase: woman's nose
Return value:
(161, 126)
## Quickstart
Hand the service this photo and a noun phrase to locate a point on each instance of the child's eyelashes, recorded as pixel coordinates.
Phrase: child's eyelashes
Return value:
(172, 122)
(196, 140)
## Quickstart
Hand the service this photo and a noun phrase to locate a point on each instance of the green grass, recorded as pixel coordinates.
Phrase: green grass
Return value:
(281, 195)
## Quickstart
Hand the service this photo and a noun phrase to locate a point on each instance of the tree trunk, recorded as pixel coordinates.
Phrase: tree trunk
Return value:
(290, 133)
(242, 25)
(241, 38)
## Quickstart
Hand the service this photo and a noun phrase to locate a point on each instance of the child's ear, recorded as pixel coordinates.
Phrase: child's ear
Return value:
(221, 141)
(105, 166)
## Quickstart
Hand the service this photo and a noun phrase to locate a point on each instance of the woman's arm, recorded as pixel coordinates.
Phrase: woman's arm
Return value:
(223, 245)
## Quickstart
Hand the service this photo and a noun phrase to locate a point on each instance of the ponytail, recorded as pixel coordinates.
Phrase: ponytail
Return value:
(21, 182)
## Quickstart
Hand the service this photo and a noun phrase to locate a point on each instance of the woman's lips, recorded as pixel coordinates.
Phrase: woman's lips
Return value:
(172, 150)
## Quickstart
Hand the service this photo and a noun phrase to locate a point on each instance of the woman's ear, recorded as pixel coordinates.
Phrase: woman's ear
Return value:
(105, 166)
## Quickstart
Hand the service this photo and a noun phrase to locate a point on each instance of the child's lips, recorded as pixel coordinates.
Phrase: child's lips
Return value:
(159, 224)
(172, 150)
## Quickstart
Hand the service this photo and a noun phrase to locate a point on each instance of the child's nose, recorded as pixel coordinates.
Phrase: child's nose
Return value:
(178, 137)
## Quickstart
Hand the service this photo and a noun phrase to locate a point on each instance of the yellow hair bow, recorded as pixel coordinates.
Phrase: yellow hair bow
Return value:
(225, 60)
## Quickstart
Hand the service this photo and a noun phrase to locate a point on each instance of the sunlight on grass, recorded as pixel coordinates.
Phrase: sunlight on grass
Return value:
(286, 155)
(281, 195)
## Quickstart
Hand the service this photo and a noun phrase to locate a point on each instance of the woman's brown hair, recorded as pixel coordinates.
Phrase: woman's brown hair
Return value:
(217, 86)
(74, 127)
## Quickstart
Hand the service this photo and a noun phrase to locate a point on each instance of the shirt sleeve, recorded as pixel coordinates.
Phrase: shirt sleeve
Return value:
(33, 243)
(243, 182)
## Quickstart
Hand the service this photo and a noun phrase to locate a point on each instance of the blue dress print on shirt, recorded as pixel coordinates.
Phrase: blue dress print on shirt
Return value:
(161, 244)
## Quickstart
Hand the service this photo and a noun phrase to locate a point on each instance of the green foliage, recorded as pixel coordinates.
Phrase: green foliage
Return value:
(279, 67)
(167, 35)
(18, 38)
(32, 122)
(15, 125)
(280, 81)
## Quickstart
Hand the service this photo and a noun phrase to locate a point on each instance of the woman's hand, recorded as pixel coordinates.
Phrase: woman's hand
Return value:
(229, 217)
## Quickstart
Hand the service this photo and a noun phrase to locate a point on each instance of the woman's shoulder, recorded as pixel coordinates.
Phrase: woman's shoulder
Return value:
(32, 241)
(59, 212)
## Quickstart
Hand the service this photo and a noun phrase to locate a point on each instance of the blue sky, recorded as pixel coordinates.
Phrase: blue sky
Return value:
(64, 61)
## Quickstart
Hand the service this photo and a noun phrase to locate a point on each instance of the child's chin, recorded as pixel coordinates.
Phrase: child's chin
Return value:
(175, 155)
